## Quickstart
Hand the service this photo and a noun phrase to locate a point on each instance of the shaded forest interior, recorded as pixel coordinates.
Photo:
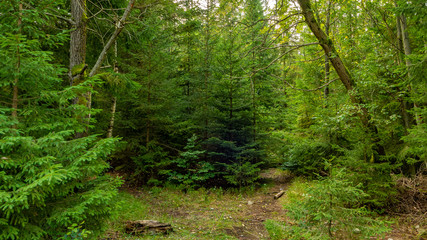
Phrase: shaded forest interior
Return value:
(208, 95)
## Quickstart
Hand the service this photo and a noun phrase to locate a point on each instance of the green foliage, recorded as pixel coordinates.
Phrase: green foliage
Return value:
(52, 181)
(189, 169)
(49, 179)
(76, 233)
(329, 209)
(150, 161)
(242, 174)
(308, 157)
(374, 177)
(276, 230)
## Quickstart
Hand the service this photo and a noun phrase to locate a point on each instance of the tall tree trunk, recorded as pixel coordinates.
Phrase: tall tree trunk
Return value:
(341, 70)
(18, 69)
(78, 40)
(253, 92)
(78, 47)
(113, 99)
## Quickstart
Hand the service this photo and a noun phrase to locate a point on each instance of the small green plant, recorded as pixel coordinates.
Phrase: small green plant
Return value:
(76, 232)
(276, 230)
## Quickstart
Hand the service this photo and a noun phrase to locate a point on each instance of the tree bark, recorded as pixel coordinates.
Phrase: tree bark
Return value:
(78, 39)
(113, 99)
(404, 105)
(341, 70)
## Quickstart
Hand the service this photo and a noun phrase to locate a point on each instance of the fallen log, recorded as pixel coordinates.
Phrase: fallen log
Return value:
(140, 227)
(278, 195)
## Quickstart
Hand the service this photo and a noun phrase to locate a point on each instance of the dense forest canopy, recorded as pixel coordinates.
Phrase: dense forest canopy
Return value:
(202, 94)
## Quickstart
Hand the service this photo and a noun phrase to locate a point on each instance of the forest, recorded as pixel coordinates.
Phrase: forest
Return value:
(196, 112)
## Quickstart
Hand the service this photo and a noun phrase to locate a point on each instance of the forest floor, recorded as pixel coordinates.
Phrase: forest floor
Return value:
(216, 213)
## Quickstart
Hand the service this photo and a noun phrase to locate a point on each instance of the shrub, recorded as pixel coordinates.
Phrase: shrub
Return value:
(188, 169)
(329, 209)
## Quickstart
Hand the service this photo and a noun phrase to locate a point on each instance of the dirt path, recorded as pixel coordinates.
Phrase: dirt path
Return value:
(259, 208)
(204, 213)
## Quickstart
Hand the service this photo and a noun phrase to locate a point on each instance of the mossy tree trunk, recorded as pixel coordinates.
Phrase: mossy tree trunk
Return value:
(343, 73)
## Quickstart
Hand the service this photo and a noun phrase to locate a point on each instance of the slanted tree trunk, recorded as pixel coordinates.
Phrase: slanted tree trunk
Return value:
(341, 70)
(119, 27)
(78, 48)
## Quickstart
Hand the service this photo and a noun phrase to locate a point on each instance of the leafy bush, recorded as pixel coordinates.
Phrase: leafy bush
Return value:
(330, 209)
(374, 177)
(242, 174)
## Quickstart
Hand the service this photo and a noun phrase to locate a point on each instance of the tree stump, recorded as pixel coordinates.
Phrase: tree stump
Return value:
(140, 227)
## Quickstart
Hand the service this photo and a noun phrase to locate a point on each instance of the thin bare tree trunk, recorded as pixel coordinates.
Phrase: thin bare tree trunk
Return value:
(113, 112)
(18, 69)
